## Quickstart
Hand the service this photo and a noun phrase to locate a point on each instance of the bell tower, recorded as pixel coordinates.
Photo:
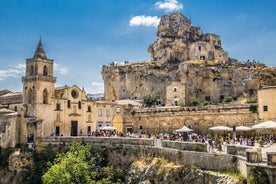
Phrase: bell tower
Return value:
(38, 89)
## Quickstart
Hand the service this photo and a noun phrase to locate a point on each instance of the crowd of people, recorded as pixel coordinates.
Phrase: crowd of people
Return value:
(211, 140)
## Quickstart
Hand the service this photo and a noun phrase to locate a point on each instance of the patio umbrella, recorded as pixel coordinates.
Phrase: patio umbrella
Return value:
(110, 128)
(265, 125)
(243, 128)
(221, 128)
(184, 129)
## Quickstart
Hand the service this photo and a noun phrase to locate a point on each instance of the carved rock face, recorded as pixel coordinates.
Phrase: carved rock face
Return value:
(186, 63)
(178, 39)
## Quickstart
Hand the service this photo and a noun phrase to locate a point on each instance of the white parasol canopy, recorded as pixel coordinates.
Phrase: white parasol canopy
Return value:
(110, 128)
(243, 128)
(184, 129)
(221, 128)
(265, 125)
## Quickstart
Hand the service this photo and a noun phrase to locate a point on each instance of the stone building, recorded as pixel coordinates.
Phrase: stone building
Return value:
(267, 103)
(43, 110)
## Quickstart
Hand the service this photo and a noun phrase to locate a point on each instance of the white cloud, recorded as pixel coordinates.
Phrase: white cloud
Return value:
(97, 84)
(60, 70)
(169, 5)
(96, 87)
(13, 72)
(143, 20)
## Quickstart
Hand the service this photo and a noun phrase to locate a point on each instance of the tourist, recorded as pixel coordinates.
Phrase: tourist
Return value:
(210, 144)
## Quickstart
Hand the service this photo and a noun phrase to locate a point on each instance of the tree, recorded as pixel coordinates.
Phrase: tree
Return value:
(227, 99)
(194, 101)
(253, 108)
(149, 100)
(82, 164)
(70, 167)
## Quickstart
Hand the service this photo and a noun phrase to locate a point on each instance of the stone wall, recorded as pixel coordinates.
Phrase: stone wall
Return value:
(136, 148)
(190, 146)
(200, 119)
(237, 149)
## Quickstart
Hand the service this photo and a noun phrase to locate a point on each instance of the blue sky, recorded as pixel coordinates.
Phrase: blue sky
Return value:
(83, 35)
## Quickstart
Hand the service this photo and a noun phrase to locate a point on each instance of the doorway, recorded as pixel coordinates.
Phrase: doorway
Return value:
(57, 130)
(74, 128)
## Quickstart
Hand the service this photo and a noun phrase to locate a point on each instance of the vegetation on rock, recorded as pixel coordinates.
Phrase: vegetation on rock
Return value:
(149, 100)
(80, 164)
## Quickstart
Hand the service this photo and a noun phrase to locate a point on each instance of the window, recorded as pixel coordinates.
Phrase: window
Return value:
(265, 107)
(89, 130)
(199, 47)
(45, 96)
(15, 108)
(31, 72)
(107, 113)
(202, 58)
(79, 104)
(74, 94)
(57, 130)
(141, 127)
(174, 89)
(58, 117)
(58, 106)
(89, 109)
(30, 95)
(45, 71)
(251, 92)
(69, 104)
(100, 112)
(221, 98)
(208, 98)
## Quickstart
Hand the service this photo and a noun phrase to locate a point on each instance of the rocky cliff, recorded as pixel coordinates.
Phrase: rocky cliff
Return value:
(157, 170)
(182, 80)
(176, 38)
(186, 63)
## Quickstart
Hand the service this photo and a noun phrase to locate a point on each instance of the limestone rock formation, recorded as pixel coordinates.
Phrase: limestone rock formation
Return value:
(177, 39)
(156, 170)
(186, 63)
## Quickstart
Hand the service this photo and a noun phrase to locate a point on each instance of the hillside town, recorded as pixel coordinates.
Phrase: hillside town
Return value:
(189, 82)
(192, 80)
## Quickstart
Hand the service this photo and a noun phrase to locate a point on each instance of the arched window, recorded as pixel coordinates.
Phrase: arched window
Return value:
(29, 96)
(79, 104)
(31, 72)
(45, 96)
(45, 71)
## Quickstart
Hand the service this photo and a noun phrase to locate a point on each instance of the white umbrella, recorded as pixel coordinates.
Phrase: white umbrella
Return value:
(106, 128)
(184, 129)
(221, 128)
(243, 128)
(265, 125)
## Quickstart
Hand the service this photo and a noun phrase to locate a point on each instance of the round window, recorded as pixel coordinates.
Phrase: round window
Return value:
(74, 93)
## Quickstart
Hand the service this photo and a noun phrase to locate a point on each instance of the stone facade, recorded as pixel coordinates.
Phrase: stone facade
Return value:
(200, 119)
(266, 103)
(43, 110)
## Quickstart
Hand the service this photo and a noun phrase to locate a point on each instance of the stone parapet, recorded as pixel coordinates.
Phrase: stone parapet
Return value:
(237, 149)
(188, 146)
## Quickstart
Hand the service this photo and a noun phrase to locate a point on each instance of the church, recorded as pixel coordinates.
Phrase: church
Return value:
(43, 110)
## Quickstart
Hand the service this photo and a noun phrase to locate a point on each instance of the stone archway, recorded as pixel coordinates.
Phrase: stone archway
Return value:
(201, 126)
(189, 123)
(175, 124)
